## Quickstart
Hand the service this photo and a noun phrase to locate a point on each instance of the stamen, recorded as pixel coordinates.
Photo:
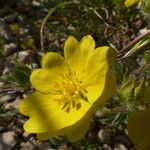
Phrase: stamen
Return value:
(70, 91)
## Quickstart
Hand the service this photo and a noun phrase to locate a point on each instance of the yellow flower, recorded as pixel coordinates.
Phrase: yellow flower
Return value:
(129, 3)
(69, 89)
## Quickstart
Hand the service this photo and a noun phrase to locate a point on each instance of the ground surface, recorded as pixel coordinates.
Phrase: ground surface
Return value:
(20, 23)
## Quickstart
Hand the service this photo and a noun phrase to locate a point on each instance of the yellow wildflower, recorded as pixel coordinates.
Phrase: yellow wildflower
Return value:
(69, 89)
(129, 3)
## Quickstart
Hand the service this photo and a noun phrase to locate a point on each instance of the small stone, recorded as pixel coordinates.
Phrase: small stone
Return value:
(120, 147)
(124, 139)
(98, 114)
(51, 37)
(8, 140)
(10, 18)
(44, 146)
(2, 25)
(105, 135)
(36, 4)
(143, 31)
(106, 147)
(4, 32)
(10, 48)
(22, 19)
(8, 68)
(70, 27)
(26, 134)
(24, 32)
(7, 36)
(53, 47)
(13, 105)
(29, 146)
(63, 147)
(24, 56)
(7, 98)
(1, 128)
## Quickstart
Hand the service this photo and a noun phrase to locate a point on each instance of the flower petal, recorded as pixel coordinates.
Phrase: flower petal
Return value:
(129, 3)
(52, 59)
(99, 81)
(74, 132)
(46, 115)
(44, 80)
(78, 130)
(77, 53)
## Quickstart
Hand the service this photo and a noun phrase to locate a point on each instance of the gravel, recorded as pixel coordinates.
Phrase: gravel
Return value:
(8, 140)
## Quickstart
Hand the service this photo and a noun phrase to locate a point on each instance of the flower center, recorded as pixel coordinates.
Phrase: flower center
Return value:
(70, 91)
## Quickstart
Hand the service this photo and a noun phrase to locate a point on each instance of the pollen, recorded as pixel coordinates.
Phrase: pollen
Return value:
(70, 92)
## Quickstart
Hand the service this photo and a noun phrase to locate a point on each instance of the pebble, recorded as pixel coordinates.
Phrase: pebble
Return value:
(8, 140)
(1, 128)
(36, 4)
(24, 56)
(124, 139)
(120, 147)
(53, 47)
(10, 18)
(105, 135)
(7, 36)
(106, 147)
(98, 114)
(10, 48)
(51, 37)
(13, 105)
(143, 31)
(43, 146)
(4, 31)
(26, 134)
(24, 32)
(8, 68)
(21, 19)
(2, 27)
(29, 146)
(70, 27)
(7, 98)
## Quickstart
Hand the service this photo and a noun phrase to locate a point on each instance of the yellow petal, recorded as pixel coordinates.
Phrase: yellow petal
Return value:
(47, 116)
(77, 53)
(139, 128)
(129, 3)
(45, 80)
(77, 131)
(74, 132)
(52, 60)
(99, 81)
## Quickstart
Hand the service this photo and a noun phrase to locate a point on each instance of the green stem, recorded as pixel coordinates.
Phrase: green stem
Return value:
(132, 43)
(47, 18)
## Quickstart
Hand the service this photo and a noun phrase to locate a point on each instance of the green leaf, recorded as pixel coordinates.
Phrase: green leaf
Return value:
(145, 4)
(126, 92)
(142, 92)
(139, 128)
(20, 75)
